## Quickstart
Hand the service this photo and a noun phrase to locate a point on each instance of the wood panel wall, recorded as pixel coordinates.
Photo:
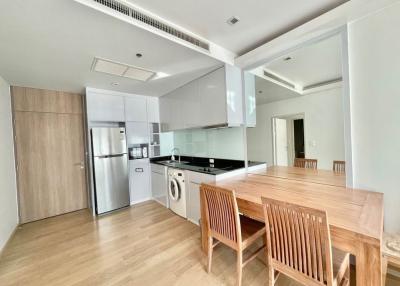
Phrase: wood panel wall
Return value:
(48, 127)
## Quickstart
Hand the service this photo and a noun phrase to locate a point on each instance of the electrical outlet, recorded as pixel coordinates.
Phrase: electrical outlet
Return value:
(211, 161)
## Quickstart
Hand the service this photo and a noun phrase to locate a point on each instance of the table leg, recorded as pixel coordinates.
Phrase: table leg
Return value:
(369, 265)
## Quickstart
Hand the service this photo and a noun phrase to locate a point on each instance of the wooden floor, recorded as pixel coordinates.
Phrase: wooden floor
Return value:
(142, 245)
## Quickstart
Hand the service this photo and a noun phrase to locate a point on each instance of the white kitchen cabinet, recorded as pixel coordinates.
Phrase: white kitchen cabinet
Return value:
(214, 99)
(191, 111)
(139, 180)
(105, 107)
(153, 112)
(250, 97)
(136, 108)
(137, 133)
(193, 182)
(159, 183)
(234, 99)
(171, 110)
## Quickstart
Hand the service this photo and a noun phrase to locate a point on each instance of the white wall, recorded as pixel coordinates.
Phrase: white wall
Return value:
(8, 188)
(323, 123)
(374, 45)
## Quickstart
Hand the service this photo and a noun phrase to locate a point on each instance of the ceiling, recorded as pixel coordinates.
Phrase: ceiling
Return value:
(271, 92)
(310, 65)
(51, 44)
(260, 20)
(319, 64)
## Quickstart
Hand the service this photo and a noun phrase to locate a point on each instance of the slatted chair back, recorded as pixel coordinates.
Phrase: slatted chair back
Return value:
(306, 163)
(222, 215)
(339, 166)
(298, 242)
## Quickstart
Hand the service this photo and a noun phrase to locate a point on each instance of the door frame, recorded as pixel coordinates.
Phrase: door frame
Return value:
(287, 117)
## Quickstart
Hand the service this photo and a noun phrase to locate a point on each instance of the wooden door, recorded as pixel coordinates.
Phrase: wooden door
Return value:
(50, 157)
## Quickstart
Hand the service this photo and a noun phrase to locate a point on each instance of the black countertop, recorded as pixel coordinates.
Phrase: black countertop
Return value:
(202, 165)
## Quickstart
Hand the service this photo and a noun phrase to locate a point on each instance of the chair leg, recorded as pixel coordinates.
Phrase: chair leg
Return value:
(239, 266)
(384, 269)
(210, 252)
(271, 275)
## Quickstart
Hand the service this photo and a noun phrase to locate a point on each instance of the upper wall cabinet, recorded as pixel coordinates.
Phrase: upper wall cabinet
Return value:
(212, 100)
(250, 97)
(109, 106)
(153, 112)
(105, 107)
(136, 108)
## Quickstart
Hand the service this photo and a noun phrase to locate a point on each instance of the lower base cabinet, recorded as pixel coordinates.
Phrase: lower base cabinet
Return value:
(139, 181)
(159, 183)
(193, 182)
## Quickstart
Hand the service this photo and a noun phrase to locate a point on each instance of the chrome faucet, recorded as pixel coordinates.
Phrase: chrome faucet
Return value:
(173, 156)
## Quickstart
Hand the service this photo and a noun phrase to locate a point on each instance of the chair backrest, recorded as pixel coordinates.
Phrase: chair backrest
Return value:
(339, 166)
(222, 214)
(306, 163)
(298, 241)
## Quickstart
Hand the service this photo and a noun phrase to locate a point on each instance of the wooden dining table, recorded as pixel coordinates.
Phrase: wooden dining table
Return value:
(325, 177)
(355, 216)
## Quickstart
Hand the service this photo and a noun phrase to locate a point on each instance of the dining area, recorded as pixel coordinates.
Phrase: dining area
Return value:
(309, 224)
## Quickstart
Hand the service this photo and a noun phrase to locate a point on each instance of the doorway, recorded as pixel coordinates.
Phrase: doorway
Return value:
(288, 139)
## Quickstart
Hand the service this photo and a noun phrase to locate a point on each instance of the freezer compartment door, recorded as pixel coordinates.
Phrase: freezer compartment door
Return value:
(108, 141)
(112, 182)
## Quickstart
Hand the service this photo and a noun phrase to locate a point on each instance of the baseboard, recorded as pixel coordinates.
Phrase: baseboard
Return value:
(141, 201)
(8, 240)
(194, 222)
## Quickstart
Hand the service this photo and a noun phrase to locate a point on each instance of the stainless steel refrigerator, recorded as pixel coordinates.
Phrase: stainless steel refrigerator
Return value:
(110, 163)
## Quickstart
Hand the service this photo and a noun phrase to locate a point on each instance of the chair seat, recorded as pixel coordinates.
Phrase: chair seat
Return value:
(251, 230)
(340, 263)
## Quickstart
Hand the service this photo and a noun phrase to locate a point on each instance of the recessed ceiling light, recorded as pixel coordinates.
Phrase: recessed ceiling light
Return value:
(233, 20)
(124, 70)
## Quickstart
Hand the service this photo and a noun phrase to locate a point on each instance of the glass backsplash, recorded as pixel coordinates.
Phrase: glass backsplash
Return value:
(223, 143)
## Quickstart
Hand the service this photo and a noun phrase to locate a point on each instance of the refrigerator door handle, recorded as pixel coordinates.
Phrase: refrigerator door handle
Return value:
(110, 156)
(139, 170)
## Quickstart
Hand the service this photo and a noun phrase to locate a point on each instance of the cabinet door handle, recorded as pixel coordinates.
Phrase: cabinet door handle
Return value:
(139, 170)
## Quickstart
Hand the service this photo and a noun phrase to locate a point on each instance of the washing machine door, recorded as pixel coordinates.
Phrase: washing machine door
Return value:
(174, 189)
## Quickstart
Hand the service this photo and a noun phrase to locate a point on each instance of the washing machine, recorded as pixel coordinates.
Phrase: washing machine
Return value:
(177, 192)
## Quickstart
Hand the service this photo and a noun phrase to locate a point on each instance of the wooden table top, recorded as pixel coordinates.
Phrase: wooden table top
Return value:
(325, 177)
(358, 211)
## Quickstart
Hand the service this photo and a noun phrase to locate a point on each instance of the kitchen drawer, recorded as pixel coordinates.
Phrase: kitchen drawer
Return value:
(199, 178)
(160, 169)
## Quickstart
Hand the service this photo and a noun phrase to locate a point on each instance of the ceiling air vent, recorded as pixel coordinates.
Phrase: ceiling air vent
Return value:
(139, 16)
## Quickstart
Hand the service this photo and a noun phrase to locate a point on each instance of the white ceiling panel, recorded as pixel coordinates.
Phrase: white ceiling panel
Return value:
(310, 65)
(260, 20)
(51, 44)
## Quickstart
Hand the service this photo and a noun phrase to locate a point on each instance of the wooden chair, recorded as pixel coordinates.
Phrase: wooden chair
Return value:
(339, 166)
(390, 252)
(305, 163)
(299, 245)
(228, 227)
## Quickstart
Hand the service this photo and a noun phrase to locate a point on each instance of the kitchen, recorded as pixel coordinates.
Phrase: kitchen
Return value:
(156, 168)
(143, 143)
